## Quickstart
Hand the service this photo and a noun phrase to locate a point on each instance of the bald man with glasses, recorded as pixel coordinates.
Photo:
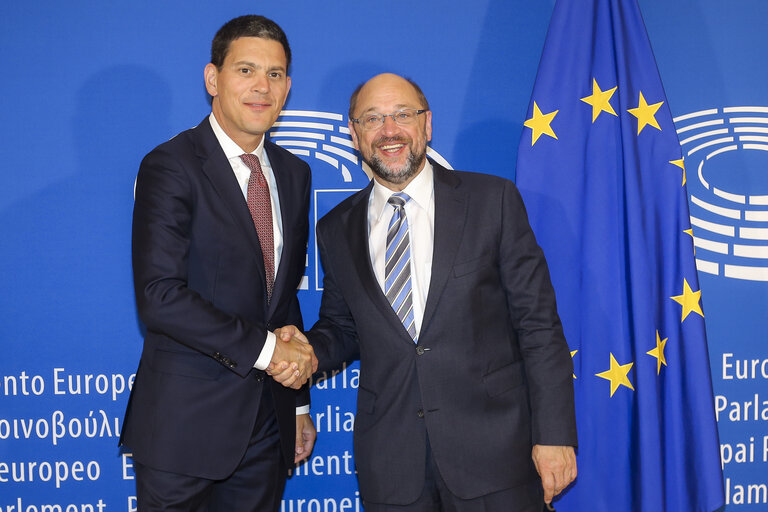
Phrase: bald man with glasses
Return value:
(434, 280)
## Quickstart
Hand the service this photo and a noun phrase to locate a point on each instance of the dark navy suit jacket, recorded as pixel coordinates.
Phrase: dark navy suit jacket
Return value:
(491, 374)
(200, 291)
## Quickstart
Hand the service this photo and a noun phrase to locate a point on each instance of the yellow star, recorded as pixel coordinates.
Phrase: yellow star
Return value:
(617, 375)
(540, 124)
(573, 353)
(658, 352)
(689, 300)
(600, 100)
(645, 114)
(681, 165)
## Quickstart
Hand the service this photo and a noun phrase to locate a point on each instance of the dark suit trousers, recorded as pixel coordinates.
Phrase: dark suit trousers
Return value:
(436, 497)
(256, 485)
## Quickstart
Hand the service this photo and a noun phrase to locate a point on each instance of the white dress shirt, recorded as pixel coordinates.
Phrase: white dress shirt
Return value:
(420, 212)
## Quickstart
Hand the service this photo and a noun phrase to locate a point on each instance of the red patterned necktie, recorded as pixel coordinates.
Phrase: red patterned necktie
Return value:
(261, 212)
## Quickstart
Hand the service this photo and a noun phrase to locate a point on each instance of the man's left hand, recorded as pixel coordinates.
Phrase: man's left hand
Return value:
(556, 466)
(305, 436)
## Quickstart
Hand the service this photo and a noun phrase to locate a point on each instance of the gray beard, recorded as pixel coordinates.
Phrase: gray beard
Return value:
(410, 168)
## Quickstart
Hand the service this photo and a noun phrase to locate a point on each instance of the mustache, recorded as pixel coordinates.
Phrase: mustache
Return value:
(381, 141)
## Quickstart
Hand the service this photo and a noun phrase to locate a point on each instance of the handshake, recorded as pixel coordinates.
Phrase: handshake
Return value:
(293, 361)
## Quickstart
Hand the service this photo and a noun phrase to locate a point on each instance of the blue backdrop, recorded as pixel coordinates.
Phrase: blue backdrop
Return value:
(93, 86)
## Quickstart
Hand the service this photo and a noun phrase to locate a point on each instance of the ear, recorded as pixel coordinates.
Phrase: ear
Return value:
(428, 125)
(210, 74)
(287, 88)
(353, 134)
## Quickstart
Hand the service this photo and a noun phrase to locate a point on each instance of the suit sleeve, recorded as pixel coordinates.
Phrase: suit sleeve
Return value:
(531, 302)
(303, 397)
(333, 337)
(163, 217)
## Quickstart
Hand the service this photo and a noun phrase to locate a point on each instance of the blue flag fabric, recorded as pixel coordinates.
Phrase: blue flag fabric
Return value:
(601, 173)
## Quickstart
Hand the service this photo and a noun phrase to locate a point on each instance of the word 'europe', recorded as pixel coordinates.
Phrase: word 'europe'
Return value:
(64, 383)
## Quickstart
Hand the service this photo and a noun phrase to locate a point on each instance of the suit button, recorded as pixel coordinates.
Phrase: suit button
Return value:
(420, 413)
(420, 351)
(259, 377)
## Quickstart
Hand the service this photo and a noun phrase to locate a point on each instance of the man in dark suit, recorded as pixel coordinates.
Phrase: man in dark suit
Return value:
(219, 242)
(465, 400)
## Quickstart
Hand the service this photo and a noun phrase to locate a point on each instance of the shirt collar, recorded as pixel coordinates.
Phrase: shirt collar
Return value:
(420, 190)
(230, 147)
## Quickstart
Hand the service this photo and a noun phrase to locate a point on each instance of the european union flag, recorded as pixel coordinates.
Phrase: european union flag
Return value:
(602, 175)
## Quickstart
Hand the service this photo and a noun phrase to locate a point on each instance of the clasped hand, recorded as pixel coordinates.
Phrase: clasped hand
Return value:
(293, 361)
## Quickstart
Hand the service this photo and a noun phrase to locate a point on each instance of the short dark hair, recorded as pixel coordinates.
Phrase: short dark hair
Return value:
(250, 25)
(356, 93)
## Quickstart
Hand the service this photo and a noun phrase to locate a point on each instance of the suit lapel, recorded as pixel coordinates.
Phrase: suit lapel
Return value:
(219, 172)
(285, 195)
(356, 225)
(450, 217)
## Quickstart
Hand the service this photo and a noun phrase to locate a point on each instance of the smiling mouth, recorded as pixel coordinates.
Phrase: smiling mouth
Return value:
(258, 106)
(391, 145)
(391, 148)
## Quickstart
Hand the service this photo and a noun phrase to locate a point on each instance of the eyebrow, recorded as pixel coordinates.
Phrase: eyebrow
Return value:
(253, 65)
(399, 106)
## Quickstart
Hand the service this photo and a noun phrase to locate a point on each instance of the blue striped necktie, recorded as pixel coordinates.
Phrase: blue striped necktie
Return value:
(397, 273)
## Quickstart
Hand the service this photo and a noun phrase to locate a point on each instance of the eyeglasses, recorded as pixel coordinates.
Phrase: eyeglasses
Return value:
(402, 117)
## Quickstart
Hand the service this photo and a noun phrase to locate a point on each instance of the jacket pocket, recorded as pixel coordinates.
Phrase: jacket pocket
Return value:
(474, 265)
(504, 379)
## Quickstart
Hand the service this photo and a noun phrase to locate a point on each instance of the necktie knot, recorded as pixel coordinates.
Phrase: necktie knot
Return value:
(398, 199)
(252, 162)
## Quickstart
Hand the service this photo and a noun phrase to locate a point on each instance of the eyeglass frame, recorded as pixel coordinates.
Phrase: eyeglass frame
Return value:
(417, 111)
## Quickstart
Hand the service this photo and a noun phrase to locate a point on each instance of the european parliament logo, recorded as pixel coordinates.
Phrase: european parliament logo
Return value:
(726, 159)
(323, 140)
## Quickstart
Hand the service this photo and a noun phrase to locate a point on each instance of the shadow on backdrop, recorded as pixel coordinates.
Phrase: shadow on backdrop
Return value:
(71, 278)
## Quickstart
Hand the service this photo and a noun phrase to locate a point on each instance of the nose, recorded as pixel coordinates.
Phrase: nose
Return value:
(260, 84)
(390, 126)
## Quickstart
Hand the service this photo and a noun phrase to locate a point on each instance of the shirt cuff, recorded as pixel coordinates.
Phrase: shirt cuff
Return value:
(266, 353)
(304, 409)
